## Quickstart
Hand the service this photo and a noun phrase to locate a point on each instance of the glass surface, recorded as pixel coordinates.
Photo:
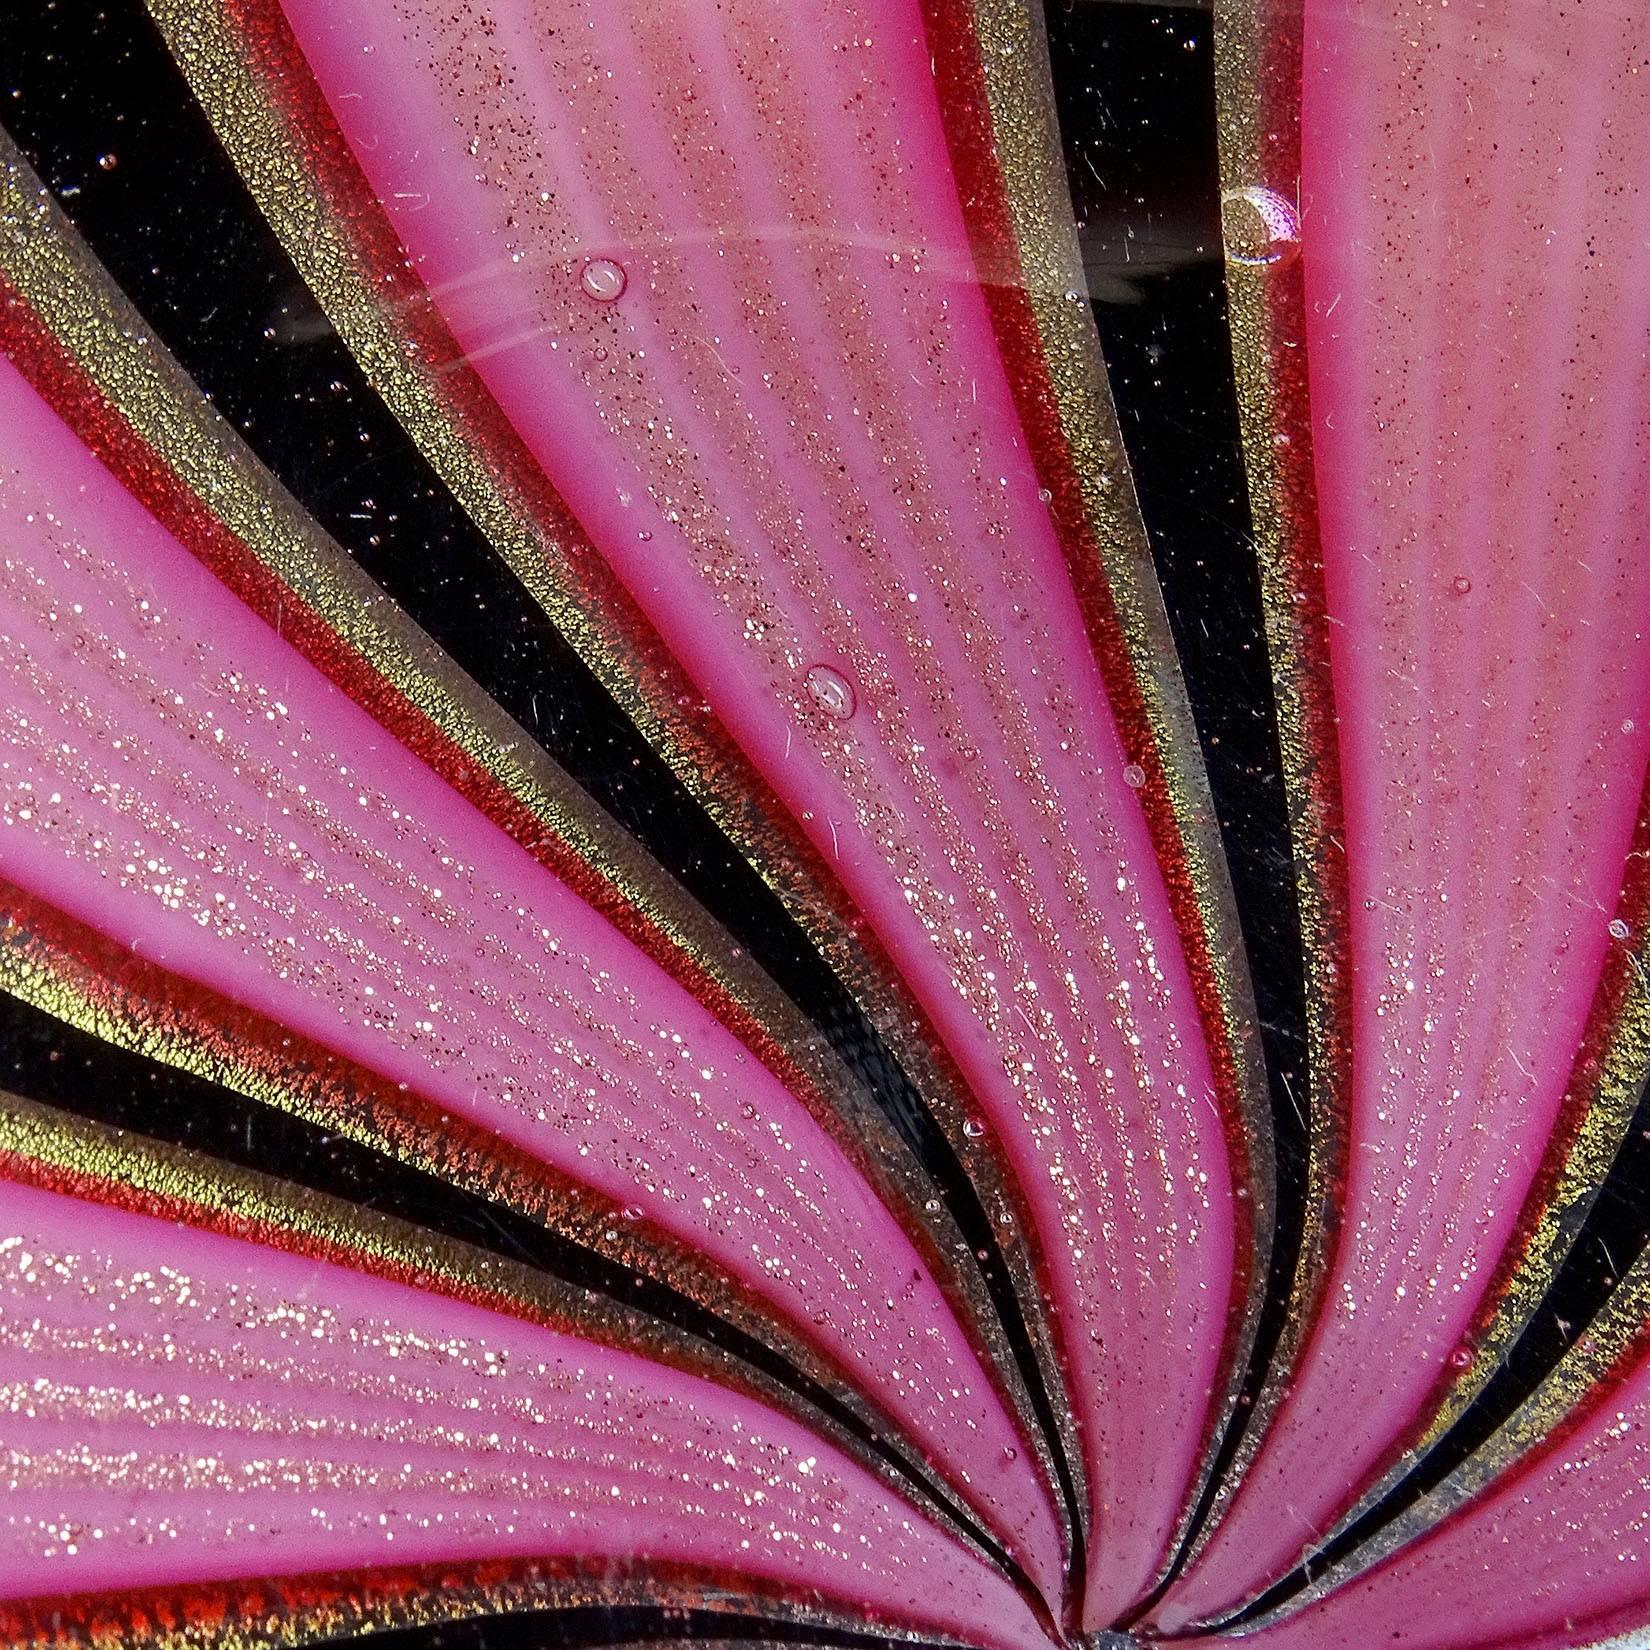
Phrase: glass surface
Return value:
(824, 821)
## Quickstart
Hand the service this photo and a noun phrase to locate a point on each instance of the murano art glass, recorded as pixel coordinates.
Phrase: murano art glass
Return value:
(824, 821)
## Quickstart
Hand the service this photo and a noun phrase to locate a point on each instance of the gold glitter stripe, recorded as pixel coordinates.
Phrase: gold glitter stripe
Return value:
(44, 259)
(1617, 1337)
(1613, 1088)
(1608, 1079)
(1014, 59)
(1257, 81)
(186, 1028)
(1614, 1083)
(246, 78)
(1256, 45)
(69, 1153)
(94, 1155)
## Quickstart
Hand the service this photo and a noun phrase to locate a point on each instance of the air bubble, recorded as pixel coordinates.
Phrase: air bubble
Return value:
(832, 692)
(1134, 776)
(1618, 929)
(603, 280)
(1259, 226)
(973, 1128)
(1460, 584)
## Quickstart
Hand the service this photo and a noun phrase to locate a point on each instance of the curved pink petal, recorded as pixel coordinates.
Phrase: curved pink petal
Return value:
(1561, 1543)
(181, 779)
(1475, 231)
(711, 264)
(182, 1406)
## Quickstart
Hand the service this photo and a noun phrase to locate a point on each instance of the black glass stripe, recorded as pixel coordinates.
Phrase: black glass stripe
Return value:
(101, 112)
(587, 1627)
(42, 1058)
(1135, 86)
(1609, 1238)
(1134, 90)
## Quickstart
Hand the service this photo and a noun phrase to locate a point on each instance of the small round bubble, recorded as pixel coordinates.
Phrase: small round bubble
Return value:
(831, 691)
(1259, 226)
(602, 279)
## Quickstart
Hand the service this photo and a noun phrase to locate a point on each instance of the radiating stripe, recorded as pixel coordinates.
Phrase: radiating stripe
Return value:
(1481, 504)
(991, 65)
(333, 883)
(232, 1410)
(245, 68)
(1257, 48)
(785, 557)
(281, 1613)
(1541, 1535)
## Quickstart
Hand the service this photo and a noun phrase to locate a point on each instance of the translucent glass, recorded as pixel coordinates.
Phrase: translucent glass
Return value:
(824, 821)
